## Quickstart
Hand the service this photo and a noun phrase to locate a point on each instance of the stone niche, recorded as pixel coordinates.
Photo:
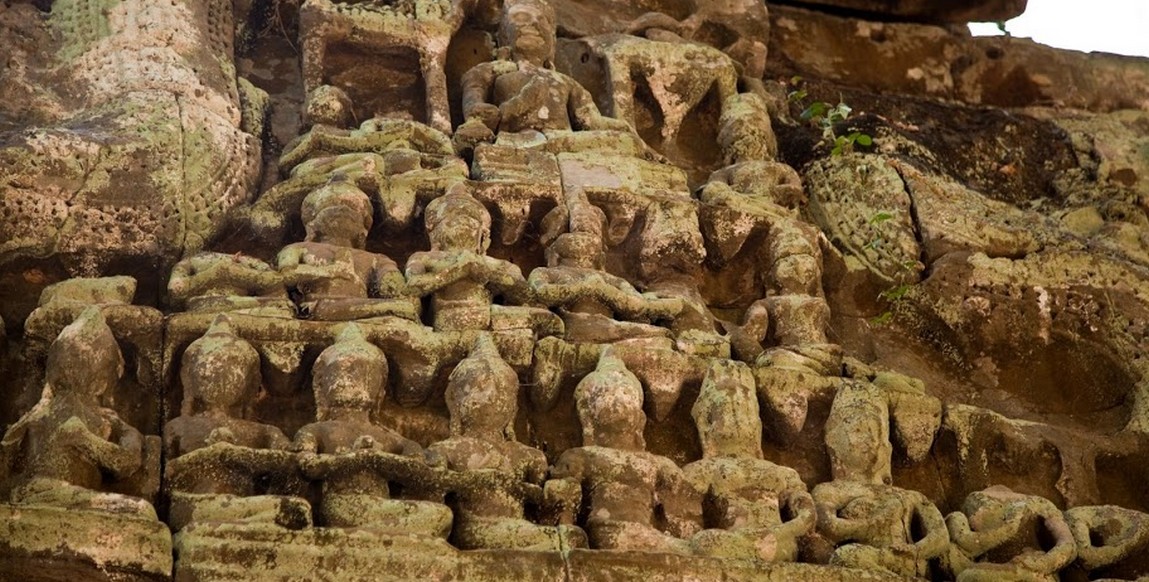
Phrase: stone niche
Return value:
(480, 289)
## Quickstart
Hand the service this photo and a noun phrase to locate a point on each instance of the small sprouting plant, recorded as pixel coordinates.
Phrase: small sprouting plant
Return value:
(825, 116)
(891, 296)
(896, 293)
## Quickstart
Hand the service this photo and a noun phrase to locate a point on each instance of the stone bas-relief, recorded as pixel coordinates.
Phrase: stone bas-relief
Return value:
(565, 290)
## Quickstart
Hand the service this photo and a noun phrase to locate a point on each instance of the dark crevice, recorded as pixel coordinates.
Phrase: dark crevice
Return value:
(923, 257)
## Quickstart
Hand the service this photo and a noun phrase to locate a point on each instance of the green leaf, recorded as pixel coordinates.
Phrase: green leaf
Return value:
(881, 217)
(816, 110)
(840, 112)
(839, 145)
(883, 319)
(795, 79)
(895, 293)
(796, 96)
(865, 140)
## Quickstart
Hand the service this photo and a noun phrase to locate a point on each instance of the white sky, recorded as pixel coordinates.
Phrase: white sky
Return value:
(1113, 26)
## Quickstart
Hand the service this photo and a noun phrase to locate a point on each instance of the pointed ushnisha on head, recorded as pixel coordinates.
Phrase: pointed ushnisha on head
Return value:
(349, 376)
(482, 393)
(609, 402)
(219, 371)
(85, 360)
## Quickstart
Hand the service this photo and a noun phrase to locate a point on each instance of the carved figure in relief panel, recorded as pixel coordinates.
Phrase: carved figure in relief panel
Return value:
(215, 282)
(1110, 536)
(677, 77)
(870, 415)
(354, 457)
(738, 27)
(399, 163)
(1008, 536)
(69, 451)
(754, 509)
(793, 313)
(216, 460)
(638, 500)
(595, 305)
(525, 92)
(336, 278)
(414, 35)
(461, 280)
(880, 527)
(495, 475)
(671, 252)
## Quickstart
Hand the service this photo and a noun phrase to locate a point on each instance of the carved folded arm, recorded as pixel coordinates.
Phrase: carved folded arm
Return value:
(1060, 555)
(387, 283)
(801, 506)
(116, 458)
(584, 112)
(508, 279)
(476, 86)
(422, 281)
(937, 539)
(976, 543)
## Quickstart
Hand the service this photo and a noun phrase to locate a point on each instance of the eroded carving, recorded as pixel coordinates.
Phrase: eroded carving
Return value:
(352, 456)
(638, 501)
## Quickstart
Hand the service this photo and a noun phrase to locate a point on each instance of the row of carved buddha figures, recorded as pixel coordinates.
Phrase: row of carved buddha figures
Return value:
(608, 494)
(337, 280)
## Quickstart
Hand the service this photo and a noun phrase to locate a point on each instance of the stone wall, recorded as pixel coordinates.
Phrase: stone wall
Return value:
(470, 289)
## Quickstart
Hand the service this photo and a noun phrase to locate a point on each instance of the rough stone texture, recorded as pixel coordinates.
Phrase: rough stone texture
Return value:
(569, 291)
(945, 63)
(938, 11)
(125, 137)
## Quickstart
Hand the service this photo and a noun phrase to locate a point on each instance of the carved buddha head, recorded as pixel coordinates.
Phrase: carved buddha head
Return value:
(482, 393)
(576, 249)
(85, 360)
(218, 371)
(350, 375)
(609, 402)
(458, 222)
(528, 29)
(339, 213)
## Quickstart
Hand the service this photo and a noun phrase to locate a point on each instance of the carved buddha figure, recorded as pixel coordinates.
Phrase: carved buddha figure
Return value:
(1003, 535)
(595, 305)
(68, 451)
(459, 277)
(638, 500)
(337, 279)
(354, 457)
(877, 526)
(1109, 536)
(525, 92)
(754, 508)
(216, 459)
(482, 395)
(211, 282)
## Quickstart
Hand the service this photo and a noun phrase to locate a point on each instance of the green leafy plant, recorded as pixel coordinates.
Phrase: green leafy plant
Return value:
(825, 116)
(898, 292)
